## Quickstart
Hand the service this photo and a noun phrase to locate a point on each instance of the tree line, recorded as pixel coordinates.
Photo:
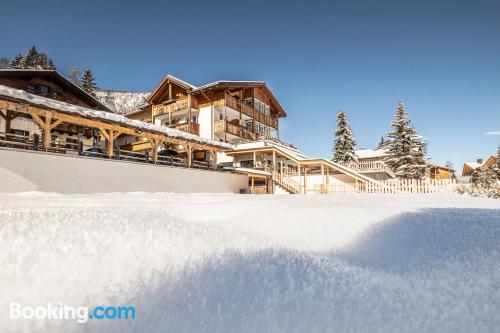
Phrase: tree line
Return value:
(404, 147)
(33, 59)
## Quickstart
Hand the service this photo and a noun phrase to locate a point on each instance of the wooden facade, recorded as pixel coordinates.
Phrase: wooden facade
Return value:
(238, 110)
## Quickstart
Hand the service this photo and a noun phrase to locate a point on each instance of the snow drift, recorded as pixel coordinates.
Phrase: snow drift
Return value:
(226, 263)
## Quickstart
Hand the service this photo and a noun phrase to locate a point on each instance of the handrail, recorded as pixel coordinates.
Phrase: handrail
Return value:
(286, 182)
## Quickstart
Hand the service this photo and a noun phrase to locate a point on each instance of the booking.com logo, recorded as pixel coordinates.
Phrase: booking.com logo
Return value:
(81, 314)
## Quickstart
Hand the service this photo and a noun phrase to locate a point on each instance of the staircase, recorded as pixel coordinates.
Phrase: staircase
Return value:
(285, 183)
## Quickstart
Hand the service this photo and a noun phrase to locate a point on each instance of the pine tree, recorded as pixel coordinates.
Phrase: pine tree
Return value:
(16, 62)
(344, 144)
(405, 147)
(88, 82)
(449, 165)
(30, 58)
(496, 167)
(4, 62)
(74, 76)
(42, 61)
(50, 65)
(381, 143)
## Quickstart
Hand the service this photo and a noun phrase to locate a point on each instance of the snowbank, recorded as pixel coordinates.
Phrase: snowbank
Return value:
(234, 263)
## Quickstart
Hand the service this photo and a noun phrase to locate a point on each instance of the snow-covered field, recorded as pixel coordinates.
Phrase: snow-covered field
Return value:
(234, 263)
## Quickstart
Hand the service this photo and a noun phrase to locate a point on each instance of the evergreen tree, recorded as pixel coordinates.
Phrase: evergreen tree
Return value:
(344, 144)
(88, 82)
(30, 58)
(42, 61)
(74, 76)
(16, 62)
(50, 65)
(449, 165)
(4, 62)
(381, 143)
(496, 167)
(405, 148)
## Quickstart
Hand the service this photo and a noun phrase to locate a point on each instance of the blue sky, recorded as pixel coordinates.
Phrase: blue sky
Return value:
(441, 58)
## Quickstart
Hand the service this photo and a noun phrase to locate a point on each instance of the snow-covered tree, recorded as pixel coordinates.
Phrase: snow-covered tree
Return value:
(16, 62)
(4, 62)
(50, 65)
(42, 61)
(381, 143)
(74, 75)
(30, 58)
(344, 144)
(405, 147)
(88, 82)
(496, 167)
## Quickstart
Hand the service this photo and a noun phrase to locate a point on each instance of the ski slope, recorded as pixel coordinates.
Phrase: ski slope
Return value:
(235, 263)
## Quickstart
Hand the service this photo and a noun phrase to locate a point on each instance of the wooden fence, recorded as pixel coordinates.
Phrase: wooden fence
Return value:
(391, 186)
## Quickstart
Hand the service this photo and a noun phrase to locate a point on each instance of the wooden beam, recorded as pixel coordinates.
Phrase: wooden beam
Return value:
(104, 133)
(92, 123)
(169, 90)
(8, 121)
(55, 124)
(2, 115)
(111, 143)
(214, 160)
(189, 153)
(189, 112)
(46, 131)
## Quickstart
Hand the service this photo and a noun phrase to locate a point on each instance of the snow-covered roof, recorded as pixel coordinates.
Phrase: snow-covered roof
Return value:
(211, 84)
(265, 143)
(473, 165)
(370, 153)
(14, 94)
(248, 170)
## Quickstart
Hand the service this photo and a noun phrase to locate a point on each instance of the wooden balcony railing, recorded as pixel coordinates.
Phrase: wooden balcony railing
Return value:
(237, 105)
(222, 126)
(178, 105)
(195, 128)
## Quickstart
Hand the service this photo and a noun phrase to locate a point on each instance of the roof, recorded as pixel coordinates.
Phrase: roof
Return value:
(8, 93)
(440, 166)
(216, 84)
(294, 155)
(59, 78)
(249, 171)
(370, 153)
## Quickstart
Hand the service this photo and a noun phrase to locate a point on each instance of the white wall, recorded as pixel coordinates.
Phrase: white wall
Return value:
(205, 121)
(22, 171)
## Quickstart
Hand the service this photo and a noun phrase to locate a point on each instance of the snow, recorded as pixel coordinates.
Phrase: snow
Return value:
(122, 102)
(238, 263)
(295, 153)
(249, 170)
(12, 93)
(370, 153)
(473, 165)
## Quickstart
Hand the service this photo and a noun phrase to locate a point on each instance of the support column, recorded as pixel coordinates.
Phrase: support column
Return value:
(253, 183)
(47, 131)
(305, 180)
(189, 113)
(214, 160)
(8, 121)
(322, 178)
(254, 159)
(300, 178)
(274, 160)
(189, 153)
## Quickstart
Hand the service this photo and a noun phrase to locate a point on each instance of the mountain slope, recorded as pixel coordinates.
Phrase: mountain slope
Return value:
(122, 102)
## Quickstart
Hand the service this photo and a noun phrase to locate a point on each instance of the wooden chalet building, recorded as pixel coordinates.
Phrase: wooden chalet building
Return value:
(49, 84)
(226, 111)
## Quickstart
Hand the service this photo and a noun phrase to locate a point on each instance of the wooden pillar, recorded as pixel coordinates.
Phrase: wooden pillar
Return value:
(253, 183)
(214, 160)
(189, 113)
(300, 177)
(154, 145)
(189, 153)
(111, 143)
(47, 131)
(305, 180)
(254, 159)
(170, 91)
(8, 121)
(322, 178)
(274, 160)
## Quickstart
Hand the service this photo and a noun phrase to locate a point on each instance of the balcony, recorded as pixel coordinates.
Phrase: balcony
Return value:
(222, 126)
(195, 128)
(237, 105)
(177, 105)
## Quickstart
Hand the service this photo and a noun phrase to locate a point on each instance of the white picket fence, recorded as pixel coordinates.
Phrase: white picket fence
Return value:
(391, 186)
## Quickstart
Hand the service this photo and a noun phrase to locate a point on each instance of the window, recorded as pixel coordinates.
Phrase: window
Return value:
(194, 119)
(31, 88)
(44, 90)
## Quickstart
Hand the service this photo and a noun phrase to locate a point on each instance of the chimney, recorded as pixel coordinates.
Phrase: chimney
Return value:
(480, 161)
